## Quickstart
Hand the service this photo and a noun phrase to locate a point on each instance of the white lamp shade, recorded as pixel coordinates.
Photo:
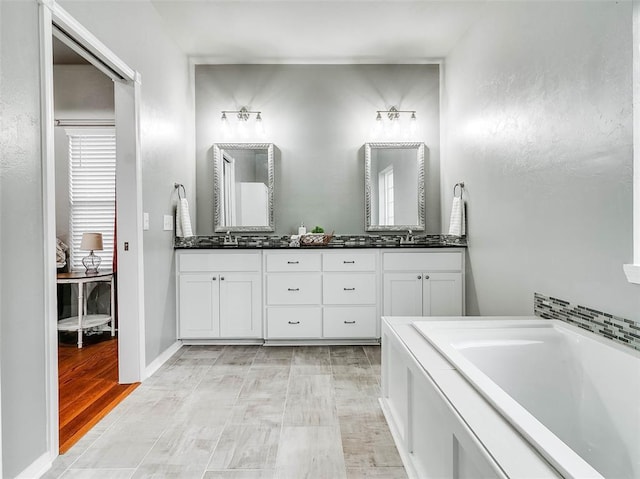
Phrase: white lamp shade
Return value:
(91, 242)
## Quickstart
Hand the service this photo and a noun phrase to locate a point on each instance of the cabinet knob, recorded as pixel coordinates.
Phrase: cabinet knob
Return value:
(426, 276)
(294, 322)
(419, 277)
(221, 278)
(214, 278)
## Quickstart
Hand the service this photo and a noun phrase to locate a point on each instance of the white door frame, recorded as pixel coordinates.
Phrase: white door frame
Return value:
(130, 273)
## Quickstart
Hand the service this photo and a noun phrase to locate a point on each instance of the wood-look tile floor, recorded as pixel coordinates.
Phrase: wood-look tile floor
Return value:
(246, 412)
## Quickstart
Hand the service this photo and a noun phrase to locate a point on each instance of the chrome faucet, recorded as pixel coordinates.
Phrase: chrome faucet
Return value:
(230, 240)
(409, 239)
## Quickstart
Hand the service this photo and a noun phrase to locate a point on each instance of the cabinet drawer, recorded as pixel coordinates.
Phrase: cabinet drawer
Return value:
(293, 262)
(293, 289)
(194, 262)
(349, 288)
(294, 322)
(349, 261)
(359, 322)
(442, 261)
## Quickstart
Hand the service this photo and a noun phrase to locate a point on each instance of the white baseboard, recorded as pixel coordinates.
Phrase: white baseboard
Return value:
(37, 468)
(160, 360)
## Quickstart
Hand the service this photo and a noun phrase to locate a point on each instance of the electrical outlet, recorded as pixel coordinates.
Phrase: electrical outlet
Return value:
(145, 221)
(168, 222)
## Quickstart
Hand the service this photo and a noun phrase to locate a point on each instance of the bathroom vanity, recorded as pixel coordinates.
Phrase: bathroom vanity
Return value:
(320, 295)
(253, 288)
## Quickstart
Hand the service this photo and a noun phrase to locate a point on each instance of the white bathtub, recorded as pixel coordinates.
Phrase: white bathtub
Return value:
(573, 395)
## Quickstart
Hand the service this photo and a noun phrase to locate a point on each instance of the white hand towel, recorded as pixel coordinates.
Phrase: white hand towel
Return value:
(457, 225)
(294, 242)
(183, 221)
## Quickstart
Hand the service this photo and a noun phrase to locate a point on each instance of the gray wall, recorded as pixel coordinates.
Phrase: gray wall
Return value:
(538, 123)
(22, 335)
(80, 92)
(134, 31)
(318, 117)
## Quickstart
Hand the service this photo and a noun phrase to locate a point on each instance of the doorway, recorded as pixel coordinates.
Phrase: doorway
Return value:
(128, 247)
(85, 159)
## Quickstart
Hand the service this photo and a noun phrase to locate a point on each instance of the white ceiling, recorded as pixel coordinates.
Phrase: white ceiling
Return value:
(245, 31)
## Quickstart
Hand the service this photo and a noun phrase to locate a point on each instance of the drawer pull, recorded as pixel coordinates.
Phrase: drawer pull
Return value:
(293, 262)
(349, 322)
(293, 289)
(349, 289)
(294, 322)
(349, 262)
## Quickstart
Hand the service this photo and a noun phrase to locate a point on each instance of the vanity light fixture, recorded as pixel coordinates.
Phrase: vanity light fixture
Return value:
(392, 126)
(243, 116)
(394, 114)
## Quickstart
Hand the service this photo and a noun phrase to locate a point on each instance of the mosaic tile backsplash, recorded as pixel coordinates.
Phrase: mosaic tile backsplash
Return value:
(618, 329)
(338, 241)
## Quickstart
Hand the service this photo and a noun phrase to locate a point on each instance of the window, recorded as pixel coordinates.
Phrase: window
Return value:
(385, 188)
(92, 192)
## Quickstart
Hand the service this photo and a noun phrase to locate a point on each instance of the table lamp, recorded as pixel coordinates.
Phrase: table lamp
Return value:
(91, 242)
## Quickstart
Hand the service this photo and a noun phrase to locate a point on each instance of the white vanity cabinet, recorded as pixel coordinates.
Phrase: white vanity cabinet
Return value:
(322, 295)
(423, 283)
(314, 295)
(219, 295)
(350, 294)
(293, 292)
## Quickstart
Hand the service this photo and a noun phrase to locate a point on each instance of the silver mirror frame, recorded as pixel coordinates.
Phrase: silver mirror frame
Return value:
(419, 147)
(218, 149)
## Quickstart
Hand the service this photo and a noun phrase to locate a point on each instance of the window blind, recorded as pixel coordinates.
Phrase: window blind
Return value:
(92, 192)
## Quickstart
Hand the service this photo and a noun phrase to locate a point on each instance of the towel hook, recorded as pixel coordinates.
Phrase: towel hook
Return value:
(461, 185)
(178, 186)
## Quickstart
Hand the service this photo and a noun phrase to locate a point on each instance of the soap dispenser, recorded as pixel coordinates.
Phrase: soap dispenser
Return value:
(302, 230)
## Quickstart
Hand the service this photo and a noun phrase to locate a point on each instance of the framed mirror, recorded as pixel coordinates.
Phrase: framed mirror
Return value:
(243, 185)
(394, 186)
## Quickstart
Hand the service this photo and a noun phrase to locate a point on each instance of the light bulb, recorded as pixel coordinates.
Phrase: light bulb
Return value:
(377, 126)
(225, 124)
(395, 127)
(242, 129)
(413, 123)
(259, 126)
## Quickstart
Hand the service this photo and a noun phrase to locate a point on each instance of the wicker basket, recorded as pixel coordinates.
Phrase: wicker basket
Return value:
(315, 239)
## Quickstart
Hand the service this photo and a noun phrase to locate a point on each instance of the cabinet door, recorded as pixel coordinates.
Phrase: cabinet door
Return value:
(402, 294)
(199, 311)
(442, 294)
(240, 305)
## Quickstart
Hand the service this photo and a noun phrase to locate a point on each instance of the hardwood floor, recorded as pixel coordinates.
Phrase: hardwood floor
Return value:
(87, 385)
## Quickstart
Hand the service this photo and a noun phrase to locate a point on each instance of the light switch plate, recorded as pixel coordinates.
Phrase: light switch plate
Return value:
(168, 222)
(145, 221)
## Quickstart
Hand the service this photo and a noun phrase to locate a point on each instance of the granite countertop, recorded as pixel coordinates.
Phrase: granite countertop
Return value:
(337, 242)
